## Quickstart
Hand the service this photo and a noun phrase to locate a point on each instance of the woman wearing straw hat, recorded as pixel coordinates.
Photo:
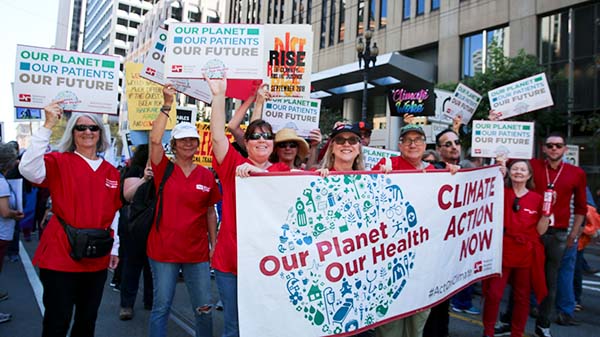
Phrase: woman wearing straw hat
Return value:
(289, 149)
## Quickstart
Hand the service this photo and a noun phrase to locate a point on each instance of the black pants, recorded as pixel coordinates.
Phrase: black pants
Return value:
(62, 291)
(134, 261)
(438, 320)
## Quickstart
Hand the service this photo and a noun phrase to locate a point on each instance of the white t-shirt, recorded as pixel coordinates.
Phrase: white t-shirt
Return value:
(7, 225)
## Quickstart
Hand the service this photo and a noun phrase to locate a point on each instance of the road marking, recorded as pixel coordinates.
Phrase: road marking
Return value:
(471, 320)
(32, 276)
(175, 316)
(594, 283)
(591, 288)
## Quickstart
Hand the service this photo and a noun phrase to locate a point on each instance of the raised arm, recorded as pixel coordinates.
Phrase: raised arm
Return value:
(220, 143)
(159, 124)
(262, 95)
(236, 121)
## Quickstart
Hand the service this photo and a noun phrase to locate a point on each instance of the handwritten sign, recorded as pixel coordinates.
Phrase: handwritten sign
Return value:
(144, 99)
(415, 100)
(372, 155)
(288, 59)
(84, 82)
(154, 66)
(195, 49)
(299, 114)
(204, 154)
(529, 94)
(463, 103)
(511, 139)
(346, 253)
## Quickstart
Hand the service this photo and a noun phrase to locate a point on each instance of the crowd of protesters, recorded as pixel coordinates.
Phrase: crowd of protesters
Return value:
(542, 251)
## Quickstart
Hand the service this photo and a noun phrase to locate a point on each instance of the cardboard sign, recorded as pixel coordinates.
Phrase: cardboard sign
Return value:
(144, 99)
(572, 155)
(410, 99)
(234, 50)
(463, 103)
(28, 114)
(372, 155)
(346, 253)
(529, 94)
(512, 139)
(288, 55)
(204, 154)
(84, 82)
(299, 114)
(154, 70)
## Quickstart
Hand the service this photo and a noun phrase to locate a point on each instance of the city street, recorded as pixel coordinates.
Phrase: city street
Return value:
(20, 279)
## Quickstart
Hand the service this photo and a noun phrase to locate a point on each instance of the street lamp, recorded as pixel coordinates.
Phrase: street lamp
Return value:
(367, 55)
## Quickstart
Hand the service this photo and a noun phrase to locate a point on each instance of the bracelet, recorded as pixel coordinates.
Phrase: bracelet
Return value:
(166, 112)
(166, 107)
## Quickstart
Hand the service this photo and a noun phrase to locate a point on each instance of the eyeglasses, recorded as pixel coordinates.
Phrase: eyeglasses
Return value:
(283, 145)
(343, 140)
(449, 143)
(515, 206)
(83, 127)
(554, 145)
(259, 135)
(416, 141)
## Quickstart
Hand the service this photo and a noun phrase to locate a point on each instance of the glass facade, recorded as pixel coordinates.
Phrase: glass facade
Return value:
(360, 24)
(382, 14)
(476, 47)
(406, 9)
(420, 7)
(342, 28)
(435, 5)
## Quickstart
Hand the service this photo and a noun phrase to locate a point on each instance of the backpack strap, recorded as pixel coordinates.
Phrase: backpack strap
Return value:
(168, 171)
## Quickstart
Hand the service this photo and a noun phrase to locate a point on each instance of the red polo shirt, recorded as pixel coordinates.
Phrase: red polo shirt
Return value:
(400, 164)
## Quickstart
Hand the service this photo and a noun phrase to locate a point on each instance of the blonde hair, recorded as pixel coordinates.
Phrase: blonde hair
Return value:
(329, 158)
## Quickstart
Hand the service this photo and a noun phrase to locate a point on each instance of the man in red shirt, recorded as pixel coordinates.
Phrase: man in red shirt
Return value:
(567, 181)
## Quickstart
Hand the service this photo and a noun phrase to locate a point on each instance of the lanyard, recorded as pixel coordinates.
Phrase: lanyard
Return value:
(551, 185)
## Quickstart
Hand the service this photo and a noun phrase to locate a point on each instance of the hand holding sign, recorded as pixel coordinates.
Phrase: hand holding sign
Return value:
(168, 94)
(217, 86)
(53, 112)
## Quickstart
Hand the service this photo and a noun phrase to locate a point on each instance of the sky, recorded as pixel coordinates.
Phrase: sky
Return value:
(29, 22)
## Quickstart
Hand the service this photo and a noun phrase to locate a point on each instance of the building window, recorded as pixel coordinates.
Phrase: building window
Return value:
(476, 49)
(323, 24)
(281, 11)
(308, 11)
(193, 14)
(120, 51)
(332, 23)
(382, 14)
(360, 25)
(420, 7)
(342, 21)
(372, 14)
(301, 10)
(406, 10)
(435, 5)
(294, 4)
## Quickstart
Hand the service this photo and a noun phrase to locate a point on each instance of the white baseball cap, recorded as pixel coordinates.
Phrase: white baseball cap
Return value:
(184, 130)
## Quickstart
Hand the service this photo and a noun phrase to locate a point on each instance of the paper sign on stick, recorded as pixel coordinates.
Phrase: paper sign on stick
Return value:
(154, 70)
(572, 155)
(372, 155)
(346, 253)
(85, 82)
(299, 114)
(463, 103)
(511, 139)
(529, 94)
(288, 54)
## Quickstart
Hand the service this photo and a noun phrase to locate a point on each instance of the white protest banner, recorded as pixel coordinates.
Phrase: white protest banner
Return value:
(215, 49)
(288, 54)
(529, 94)
(154, 70)
(372, 155)
(463, 103)
(493, 138)
(299, 114)
(85, 82)
(327, 256)
(572, 155)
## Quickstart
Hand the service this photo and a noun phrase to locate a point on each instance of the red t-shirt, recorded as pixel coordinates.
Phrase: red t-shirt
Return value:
(400, 164)
(572, 181)
(225, 256)
(520, 228)
(182, 235)
(83, 198)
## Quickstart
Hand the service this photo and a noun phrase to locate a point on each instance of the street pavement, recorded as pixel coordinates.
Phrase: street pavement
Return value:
(21, 281)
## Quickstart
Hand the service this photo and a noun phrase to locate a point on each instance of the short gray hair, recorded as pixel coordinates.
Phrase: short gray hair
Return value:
(67, 143)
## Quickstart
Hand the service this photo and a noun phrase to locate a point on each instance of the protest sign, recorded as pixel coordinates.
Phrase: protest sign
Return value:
(299, 114)
(288, 54)
(372, 155)
(144, 99)
(463, 103)
(84, 82)
(529, 94)
(187, 114)
(194, 49)
(204, 154)
(572, 155)
(27, 114)
(511, 139)
(349, 252)
(418, 100)
(154, 70)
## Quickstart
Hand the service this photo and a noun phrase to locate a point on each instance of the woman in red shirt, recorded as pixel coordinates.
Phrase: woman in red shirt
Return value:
(522, 253)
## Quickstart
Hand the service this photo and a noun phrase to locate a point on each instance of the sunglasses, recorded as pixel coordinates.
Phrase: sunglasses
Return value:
(343, 140)
(554, 145)
(83, 127)
(449, 143)
(515, 206)
(259, 135)
(283, 145)
(416, 141)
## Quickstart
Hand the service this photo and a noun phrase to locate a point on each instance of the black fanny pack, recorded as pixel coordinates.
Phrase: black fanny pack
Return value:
(87, 242)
